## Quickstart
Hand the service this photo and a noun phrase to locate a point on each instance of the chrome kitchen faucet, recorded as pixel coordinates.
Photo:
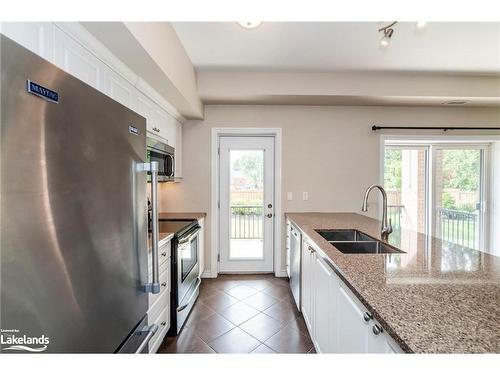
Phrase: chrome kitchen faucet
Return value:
(386, 228)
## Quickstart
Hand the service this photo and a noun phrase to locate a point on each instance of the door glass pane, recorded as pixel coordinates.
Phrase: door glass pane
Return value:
(458, 187)
(405, 183)
(246, 203)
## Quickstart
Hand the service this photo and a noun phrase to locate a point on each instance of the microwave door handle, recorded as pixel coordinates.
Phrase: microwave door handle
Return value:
(154, 286)
(172, 164)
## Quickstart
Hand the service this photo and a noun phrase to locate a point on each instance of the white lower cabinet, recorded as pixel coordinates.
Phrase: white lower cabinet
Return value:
(353, 332)
(159, 304)
(337, 321)
(325, 285)
(306, 286)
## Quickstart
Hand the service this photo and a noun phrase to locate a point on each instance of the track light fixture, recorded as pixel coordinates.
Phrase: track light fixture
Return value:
(388, 31)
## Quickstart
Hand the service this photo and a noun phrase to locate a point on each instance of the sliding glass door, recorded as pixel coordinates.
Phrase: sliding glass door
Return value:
(438, 189)
(459, 194)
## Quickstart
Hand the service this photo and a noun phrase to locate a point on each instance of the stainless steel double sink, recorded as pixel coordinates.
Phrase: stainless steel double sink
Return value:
(352, 241)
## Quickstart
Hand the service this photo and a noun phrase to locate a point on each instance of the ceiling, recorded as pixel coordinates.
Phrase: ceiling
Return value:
(441, 47)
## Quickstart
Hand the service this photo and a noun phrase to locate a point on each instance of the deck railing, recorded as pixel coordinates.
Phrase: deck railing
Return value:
(246, 222)
(454, 226)
(459, 227)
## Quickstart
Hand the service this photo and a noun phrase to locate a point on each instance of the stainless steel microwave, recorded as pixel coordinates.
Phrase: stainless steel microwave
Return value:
(165, 156)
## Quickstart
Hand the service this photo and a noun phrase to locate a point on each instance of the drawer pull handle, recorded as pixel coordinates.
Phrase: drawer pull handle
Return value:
(164, 254)
(376, 329)
(367, 316)
(163, 323)
(164, 284)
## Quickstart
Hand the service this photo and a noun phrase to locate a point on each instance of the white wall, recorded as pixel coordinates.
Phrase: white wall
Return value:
(329, 152)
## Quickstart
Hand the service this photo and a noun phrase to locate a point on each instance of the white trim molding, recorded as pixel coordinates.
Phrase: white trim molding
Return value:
(279, 268)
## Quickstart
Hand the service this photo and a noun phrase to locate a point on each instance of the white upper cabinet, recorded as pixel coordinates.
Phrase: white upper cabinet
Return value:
(76, 60)
(119, 89)
(70, 51)
(38, 37)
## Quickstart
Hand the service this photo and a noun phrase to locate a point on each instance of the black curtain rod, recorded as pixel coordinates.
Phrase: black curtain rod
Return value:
(444, 128)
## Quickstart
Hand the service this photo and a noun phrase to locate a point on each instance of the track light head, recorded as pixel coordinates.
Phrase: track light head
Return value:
(386, 39)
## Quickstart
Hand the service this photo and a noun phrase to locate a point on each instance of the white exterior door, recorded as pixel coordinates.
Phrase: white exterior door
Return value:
(246, 204)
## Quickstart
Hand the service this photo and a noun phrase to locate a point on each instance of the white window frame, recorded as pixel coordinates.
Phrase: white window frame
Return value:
(448, 141)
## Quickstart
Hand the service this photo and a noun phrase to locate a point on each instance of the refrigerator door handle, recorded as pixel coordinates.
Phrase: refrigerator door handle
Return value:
(149, 331)
(154, 286)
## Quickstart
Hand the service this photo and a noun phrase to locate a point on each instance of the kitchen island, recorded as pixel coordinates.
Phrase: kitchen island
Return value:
(436, 297)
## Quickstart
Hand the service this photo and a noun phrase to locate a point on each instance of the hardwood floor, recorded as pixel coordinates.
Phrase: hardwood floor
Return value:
(243, 314)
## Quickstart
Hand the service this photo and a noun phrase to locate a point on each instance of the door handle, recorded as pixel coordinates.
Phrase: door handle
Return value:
(154, 286)
(173, 166)
(150, 332)
(183, 307)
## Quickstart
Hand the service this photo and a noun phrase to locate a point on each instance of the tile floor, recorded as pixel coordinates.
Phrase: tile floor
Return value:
(243, 314)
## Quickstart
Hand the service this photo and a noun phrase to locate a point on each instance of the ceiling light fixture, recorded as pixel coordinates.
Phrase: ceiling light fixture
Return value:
(250, 24)
(388, 32)
(420, 25)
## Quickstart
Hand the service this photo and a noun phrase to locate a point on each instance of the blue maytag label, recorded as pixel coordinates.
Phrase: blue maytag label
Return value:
(133, 130)
(43, 92)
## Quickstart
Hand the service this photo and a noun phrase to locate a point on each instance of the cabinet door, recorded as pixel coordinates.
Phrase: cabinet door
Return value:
(77, 61)
(324, 306)
(119, 89)
(38, 37)
(378, 342)
(164, 127)
(306, 285)
(352, 328)
(145, 107)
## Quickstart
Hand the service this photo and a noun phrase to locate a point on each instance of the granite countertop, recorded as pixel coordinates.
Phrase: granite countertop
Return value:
(164, 236)
(436, 298)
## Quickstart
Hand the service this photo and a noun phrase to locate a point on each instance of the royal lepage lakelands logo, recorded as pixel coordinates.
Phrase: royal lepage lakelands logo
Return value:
(13, 340)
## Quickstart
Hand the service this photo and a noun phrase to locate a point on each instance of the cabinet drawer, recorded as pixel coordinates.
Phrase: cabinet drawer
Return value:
(163, 323)
(164, 284)
(164, 252)
(163, 257)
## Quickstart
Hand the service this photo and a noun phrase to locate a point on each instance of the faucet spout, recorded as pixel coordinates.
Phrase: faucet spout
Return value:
(386, 227)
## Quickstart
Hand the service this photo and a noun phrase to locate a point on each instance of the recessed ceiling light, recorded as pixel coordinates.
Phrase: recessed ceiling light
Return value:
(421, 25)
(250, 24)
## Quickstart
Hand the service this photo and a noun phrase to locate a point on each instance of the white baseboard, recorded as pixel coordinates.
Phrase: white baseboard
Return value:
(281, 274)
(208, 275)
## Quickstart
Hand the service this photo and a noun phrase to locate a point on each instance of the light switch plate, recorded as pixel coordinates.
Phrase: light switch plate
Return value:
(289, 196)
(305, 196)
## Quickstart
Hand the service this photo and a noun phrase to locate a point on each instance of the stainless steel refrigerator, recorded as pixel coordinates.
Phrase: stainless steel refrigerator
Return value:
(73, 213)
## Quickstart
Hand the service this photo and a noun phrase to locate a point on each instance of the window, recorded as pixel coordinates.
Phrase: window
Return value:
(438, 188)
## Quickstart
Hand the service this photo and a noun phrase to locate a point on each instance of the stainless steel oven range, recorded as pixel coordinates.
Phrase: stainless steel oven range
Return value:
(185, 270)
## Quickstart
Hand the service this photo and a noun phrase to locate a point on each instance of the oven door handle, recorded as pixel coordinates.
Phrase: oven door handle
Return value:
(194, 232)
(183, 307)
